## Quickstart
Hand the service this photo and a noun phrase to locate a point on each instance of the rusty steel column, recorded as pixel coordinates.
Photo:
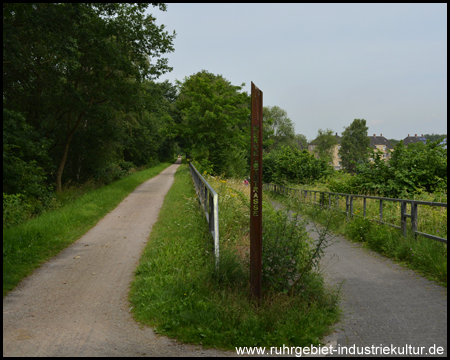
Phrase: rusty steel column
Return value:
(256, 193)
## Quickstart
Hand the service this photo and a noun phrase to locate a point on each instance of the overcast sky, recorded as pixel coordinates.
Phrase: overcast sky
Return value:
(325, 64)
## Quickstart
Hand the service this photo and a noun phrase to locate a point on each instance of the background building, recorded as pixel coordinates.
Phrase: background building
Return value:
(381, 143)
(414, 139)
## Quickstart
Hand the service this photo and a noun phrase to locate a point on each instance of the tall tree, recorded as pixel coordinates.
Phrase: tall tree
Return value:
(215, 123)
(68, 65)
(354, 145)
(278, 127)
(326, 141)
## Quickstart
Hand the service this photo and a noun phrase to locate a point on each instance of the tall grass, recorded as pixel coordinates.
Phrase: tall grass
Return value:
(179, 291)
(28, 245)
(431, 220)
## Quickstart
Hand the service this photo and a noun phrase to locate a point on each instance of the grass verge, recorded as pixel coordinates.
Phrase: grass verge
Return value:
(178, 291)
(427, 256)
(28, 245)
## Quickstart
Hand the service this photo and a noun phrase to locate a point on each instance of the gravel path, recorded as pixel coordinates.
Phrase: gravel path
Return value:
(76, 304)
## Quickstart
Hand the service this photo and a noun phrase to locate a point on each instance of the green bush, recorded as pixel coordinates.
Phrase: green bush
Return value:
(290, 165)
(15, 209)
(114, 171)
(285, 249)
(358, 229)
(411, 169)
(24, 157)
(341, 183)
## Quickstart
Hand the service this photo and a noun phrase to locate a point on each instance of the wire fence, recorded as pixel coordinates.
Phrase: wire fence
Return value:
(398, 208)
(209, 201)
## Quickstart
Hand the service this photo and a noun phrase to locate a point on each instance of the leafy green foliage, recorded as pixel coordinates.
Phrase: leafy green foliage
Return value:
(75, 72)
(285, 250)
(341, 182)
(354, 145)
(433, 137)
(325, 142)
(278, 129)
(215, 127)
(411, 169)
(292, 165)
(22, 147)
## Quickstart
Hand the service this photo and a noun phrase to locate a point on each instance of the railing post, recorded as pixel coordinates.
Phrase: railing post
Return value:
(364, 207)
(381, 210)
(403, 217)
(204, 197)
(216, 227)
(347, 205)
(351, 207)
(414, 218)
(211, 213)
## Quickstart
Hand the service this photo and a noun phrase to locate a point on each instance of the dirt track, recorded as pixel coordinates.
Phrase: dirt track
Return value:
(76, 304)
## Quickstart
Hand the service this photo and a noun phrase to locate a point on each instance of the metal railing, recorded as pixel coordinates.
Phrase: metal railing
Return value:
(280, 189)
(209, 201)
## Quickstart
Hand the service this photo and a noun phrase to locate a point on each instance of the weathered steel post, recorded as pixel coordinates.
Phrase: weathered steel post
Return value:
(256, 193)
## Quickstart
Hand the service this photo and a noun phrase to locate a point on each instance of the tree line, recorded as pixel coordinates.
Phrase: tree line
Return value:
(80, 99)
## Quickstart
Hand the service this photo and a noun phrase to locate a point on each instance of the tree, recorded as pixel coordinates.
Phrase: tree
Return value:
(301, 141)
(71, 66)
(434, 137)
(215, 125)
(410, 170)
(394, 141)
(354, 145)
(148, 136)
(325, 141)
(279, 129)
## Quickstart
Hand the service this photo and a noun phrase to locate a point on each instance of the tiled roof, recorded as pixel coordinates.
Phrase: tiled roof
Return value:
(380, 140)
(414, 139)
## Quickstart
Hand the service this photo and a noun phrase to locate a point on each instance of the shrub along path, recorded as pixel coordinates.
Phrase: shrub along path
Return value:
(76, 304)
(383, 303)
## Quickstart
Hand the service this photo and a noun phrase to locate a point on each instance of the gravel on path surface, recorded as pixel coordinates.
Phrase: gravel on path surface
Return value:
(76, 304)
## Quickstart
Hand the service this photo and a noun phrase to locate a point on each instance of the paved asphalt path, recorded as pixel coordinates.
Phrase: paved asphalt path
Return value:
(384, 304)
